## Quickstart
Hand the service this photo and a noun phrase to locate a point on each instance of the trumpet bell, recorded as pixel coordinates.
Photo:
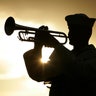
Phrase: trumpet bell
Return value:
(9, 25)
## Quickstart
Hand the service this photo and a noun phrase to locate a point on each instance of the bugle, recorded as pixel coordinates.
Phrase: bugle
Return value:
(11, 26)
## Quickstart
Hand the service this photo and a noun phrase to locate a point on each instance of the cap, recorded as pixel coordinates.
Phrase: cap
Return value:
(80, 19)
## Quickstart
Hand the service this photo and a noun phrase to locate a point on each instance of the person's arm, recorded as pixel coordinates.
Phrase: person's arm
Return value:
(55, 67)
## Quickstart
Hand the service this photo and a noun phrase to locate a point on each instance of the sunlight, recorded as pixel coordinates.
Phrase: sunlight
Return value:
(46, 52)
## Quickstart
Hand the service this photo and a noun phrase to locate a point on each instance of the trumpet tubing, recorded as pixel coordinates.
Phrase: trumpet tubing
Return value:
(11, 26)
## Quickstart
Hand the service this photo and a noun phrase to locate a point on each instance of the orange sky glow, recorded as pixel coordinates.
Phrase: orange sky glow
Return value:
(14, 80)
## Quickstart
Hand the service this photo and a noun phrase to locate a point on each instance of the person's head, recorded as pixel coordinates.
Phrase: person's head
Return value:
(80, 28)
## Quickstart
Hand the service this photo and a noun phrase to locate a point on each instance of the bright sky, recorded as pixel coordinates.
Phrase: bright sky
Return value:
(14, 80)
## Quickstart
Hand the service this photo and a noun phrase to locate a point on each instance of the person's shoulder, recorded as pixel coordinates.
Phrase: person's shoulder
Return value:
(89, 51)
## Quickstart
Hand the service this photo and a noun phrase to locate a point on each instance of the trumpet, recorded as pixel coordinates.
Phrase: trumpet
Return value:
(27, 33)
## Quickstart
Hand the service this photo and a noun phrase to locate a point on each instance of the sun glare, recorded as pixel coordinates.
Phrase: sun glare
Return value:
(46, 52)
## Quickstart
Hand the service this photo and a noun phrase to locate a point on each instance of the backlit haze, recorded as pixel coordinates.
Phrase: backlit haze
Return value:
(14, 80)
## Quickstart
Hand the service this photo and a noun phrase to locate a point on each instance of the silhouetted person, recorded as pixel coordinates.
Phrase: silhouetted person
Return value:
(71, 73)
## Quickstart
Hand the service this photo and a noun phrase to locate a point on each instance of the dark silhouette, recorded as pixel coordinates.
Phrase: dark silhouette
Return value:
(71, 73)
